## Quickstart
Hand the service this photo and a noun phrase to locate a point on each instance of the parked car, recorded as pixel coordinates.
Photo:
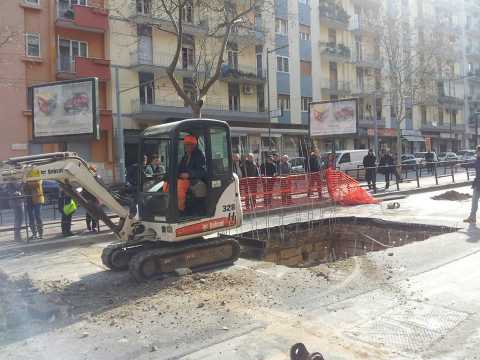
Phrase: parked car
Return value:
(421, 156)
(297, 164)
(351, 162)
(409, 161)
(447, 157)
(467, 157)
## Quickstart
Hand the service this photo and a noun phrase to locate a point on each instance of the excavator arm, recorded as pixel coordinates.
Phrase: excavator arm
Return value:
(76, 180)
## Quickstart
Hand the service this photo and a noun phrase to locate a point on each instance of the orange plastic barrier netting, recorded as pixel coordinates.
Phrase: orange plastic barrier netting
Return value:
(345, 190)
(302, 189)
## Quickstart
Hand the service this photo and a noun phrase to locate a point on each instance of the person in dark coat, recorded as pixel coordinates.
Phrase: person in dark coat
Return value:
(286, 184)
(66, 219)
(15, 200)
(269, 170)
(250, 170)
(369, 163)
(387, 165)
(314, 167)
(472, 219)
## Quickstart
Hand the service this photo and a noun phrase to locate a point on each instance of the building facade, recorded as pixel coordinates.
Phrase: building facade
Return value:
(55, 40)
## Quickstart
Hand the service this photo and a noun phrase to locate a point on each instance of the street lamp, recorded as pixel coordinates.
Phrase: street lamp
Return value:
(268, 95)
(477, 114)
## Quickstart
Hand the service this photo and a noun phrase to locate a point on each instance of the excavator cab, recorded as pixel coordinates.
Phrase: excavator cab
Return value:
(186, 175)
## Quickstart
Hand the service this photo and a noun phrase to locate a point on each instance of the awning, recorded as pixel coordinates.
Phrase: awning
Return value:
(413, 138)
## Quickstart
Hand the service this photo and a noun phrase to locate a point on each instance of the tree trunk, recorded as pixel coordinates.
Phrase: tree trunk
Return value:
(196, 111)
(399, 147)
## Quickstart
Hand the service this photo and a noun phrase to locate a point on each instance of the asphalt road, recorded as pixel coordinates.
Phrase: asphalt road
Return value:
(419, 301)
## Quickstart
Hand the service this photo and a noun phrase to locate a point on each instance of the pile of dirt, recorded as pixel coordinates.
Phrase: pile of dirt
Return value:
(452, 195)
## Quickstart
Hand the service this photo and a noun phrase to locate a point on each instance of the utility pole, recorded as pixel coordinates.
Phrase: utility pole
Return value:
(375, 123)
(269, 51)
(119, 131)
(476, 128)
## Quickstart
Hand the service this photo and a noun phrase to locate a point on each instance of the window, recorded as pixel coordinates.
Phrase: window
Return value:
(306, 2)
(440, 116)
(219, 146)
(232, 59)
(187, 13)
(345, 158)
(32, 44)
(79, 2)
(32, 2)
(144, 6)
(188, 58)
(67, 51)
(305, 102)
(282, 64)
(146, 88)
(423, 110)
(260, 98)
(283, 102)
(332, 36)
(306, 68)
(453, 117)
(304, 35)
(234, 97)
(281, 26)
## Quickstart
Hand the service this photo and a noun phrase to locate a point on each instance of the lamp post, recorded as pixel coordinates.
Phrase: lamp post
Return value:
(269, 51)
(477, 114)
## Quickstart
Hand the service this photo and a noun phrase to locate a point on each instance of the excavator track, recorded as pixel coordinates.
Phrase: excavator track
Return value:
(116, 257)
(197, 255)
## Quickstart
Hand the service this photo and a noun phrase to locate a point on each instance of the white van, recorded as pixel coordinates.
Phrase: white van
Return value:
(349, 160)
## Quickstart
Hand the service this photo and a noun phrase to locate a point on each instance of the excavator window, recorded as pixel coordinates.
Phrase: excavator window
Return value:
(155, 164)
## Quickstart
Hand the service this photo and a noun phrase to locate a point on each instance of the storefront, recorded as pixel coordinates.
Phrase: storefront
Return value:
(412, 141)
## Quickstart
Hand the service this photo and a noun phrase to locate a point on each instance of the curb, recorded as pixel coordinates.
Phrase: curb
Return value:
(76, 240)
(425, 189)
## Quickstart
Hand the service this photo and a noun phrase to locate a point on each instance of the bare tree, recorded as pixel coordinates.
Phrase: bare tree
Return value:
(220, 23)
(416, 54)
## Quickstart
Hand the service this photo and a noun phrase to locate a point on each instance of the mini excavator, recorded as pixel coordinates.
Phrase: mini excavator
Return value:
(156, 235)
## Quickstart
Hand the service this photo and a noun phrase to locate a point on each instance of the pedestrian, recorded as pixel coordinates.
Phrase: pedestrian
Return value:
(314, 177)
(286, 184)
(268, 172)
(387, 166)
(472, 219)
(276, 160)
(250, 170)
(67, 208)
(157, 167)
(15, 201)
(237, 165)
(33, 191)
(369, 163)
(91, 221)
(147, 168)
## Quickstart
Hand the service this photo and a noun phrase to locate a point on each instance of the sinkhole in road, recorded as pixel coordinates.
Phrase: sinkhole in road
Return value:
(328, 240)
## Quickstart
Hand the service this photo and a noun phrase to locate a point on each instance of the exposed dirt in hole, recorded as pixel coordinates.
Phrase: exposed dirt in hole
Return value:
(452, 195)
(322, 241)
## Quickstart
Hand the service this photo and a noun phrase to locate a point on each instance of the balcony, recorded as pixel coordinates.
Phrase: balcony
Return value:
(199, 27)
(243, 74)
(443, 128)
(367, 88)
(366, 60)
(367, 3)
(167, 109)
(86, 18)
(450, 102)
(367, 121)
(333, 15)
(79, 67)
(335, 87)
(157, 62)
(335, 52)
(247, 36)
(359, 26)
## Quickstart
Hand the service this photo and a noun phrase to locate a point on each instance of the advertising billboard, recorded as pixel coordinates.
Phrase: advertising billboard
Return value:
(66, 108)
(337, 117)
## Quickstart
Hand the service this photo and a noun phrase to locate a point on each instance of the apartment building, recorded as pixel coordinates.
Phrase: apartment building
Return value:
(56, 40)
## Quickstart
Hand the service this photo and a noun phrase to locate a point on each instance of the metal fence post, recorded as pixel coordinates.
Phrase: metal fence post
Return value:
(435, 171)
(453, 173)
(416, 175)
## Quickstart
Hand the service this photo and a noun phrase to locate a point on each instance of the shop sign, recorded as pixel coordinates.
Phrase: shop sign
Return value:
(383, 132)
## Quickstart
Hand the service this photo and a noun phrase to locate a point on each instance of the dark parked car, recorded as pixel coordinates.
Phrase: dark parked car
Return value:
(409, 161)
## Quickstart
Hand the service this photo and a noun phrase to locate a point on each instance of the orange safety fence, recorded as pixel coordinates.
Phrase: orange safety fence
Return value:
(262, 193)
(345, 190)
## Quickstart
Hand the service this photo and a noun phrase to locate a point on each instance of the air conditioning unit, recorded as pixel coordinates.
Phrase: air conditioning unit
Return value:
(247, 90)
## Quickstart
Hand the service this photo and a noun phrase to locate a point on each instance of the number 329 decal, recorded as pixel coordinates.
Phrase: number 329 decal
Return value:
(227, 208)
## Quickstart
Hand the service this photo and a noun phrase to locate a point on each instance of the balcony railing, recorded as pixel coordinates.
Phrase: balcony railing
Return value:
(333, 13)
(338, 51)
(88, 18)
(197, 26)
(68, 67)
(336, 86)
(366, 60)
(242, 73)
(157, 60)
(359, 24)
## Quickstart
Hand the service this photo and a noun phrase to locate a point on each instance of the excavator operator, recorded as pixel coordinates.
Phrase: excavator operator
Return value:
(191, 176)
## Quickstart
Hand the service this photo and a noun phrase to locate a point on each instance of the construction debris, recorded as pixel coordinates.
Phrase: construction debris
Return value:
(452, 195)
